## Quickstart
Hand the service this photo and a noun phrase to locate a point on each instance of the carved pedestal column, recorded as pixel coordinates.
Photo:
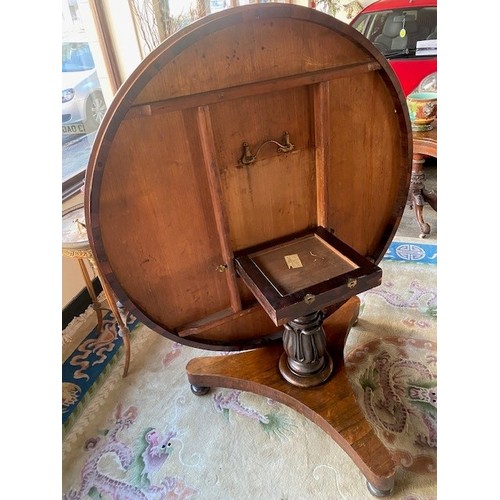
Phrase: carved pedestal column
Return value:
(305, 362)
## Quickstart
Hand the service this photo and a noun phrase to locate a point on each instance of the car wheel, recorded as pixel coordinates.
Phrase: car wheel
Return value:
(96, 107)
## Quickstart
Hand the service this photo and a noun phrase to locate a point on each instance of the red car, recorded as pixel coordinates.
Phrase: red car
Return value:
(405, 31)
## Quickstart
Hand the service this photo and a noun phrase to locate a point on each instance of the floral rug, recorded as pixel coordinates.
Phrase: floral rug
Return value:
(147, 436)
(396, 385)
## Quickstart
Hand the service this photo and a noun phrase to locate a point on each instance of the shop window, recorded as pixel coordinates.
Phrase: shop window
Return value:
(86, 90)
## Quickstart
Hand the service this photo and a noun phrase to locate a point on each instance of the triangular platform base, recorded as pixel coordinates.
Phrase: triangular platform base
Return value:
(331, 405)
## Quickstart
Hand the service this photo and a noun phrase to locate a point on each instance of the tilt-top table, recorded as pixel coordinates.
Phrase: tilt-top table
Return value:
(243, 186)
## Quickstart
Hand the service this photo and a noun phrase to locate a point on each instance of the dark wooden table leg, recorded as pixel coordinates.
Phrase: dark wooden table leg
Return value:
(418, 195)
(331, 405)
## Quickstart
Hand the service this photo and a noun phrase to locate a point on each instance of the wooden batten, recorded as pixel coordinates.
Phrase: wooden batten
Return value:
(321, 103)
(214, 321)
(210, 161)
(250, 89)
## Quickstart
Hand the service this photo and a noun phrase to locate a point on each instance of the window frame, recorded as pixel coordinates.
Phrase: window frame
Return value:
(73, 185)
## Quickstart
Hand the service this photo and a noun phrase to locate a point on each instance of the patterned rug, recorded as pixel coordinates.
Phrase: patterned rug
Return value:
(412, 251)
(396, 385)
(147, 436)
(88, 359)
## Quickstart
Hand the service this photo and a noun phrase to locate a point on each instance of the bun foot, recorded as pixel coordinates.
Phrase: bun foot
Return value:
(377, 492)
(425, 228)
(199, 390)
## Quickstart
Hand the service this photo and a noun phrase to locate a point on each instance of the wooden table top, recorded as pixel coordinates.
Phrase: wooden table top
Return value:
(167, 197)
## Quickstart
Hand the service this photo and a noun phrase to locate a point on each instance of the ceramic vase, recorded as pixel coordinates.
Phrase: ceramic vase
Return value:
(422, 108)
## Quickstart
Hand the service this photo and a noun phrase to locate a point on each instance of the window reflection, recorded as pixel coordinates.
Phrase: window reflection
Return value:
(89, 80)
(83, 101)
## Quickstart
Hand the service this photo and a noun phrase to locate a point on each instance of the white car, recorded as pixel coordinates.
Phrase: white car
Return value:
(83, 104)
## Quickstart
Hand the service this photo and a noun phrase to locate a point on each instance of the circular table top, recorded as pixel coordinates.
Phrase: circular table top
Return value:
(74, 231)
(168, 202)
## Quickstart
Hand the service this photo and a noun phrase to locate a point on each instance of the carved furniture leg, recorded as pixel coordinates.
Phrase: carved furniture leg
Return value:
(331, 405)
(305, 362)
(122, 326)
(418, 195)
(95, 302)
(123, 330)
(416, 190)
(431, 198)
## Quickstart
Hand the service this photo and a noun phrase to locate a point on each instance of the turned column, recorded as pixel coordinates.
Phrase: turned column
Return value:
(305, 362)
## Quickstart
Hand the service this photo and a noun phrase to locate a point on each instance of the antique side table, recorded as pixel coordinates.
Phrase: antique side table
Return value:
(424, 145)
(75, 245)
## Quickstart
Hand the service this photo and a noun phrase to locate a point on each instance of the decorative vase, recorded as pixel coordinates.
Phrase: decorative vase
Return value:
(422, 107)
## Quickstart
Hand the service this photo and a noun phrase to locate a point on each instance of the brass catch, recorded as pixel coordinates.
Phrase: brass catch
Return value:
(309, 298)
(352, 282)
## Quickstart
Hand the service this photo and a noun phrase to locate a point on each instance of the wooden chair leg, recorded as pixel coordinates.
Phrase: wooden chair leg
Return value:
(95, 302)
(122, 325)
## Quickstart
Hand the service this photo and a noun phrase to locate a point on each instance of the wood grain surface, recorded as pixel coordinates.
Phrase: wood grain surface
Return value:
(167, 202)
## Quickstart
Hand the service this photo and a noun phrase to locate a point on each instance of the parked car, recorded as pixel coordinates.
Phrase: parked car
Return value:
(83, 104)
(405, 32)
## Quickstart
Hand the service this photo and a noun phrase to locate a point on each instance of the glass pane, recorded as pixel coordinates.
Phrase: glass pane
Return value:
(398, 32)
(85, 86)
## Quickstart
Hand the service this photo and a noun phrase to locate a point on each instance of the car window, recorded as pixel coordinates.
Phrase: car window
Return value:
(398, 31)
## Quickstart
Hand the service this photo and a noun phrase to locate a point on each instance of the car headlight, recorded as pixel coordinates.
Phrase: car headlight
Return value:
(68, 94)
(428, 84)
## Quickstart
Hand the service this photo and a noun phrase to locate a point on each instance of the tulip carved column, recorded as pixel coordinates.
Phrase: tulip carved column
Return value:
(305, 362)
